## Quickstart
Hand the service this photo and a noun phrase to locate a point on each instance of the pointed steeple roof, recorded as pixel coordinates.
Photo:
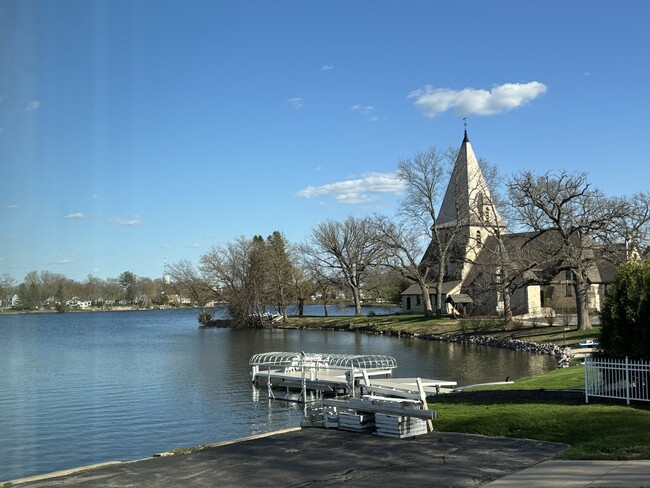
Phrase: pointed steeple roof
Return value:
(467, 193)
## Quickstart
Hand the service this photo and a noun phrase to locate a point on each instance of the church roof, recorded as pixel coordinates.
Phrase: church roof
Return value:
(447, 286)
(466, 192)
(535, 255)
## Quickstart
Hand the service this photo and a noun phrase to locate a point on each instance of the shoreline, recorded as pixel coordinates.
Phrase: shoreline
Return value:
(352, 324)
(561, 354)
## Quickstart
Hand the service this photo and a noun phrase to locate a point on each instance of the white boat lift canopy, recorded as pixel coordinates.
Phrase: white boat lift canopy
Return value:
(322, 372)
(345, 362)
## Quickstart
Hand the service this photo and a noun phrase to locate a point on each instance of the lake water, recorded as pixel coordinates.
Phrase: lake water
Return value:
(84, 388)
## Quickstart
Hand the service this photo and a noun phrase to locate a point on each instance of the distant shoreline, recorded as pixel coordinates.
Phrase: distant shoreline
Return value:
(8, 311)
(87, 310)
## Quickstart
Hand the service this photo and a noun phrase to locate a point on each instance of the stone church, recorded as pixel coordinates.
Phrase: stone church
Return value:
(473, 270)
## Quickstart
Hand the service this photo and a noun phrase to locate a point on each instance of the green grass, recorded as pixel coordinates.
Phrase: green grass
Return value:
(558, 379)
(594, 431)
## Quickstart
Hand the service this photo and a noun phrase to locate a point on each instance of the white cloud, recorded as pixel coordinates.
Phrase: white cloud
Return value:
(470, 101)
(359, 190)
(33, 105)
(296, 103)
(363, 109)
(327, 67)
(13, 205)
(63, 261)
(125, 222)
(77, 215)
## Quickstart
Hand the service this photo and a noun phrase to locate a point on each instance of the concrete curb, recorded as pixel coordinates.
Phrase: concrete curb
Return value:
(56, 474)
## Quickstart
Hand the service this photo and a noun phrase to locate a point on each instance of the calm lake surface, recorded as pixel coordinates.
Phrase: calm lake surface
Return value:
(84, 388)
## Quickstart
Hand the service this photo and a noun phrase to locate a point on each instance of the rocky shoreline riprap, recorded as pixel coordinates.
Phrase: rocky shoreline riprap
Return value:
(562, 354)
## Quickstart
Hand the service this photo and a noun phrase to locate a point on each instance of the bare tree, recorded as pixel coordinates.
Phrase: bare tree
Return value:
(633, 228)
(386, 285)
(7, 288)
(229, 268)
(187, 281)
(345, 249)
(404, 247)
(423, 176)
(565, 205)
(302, 285)
(320, 276)
(94, 289)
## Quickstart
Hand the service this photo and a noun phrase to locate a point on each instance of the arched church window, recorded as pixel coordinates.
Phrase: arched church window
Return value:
(486, 213)
(478, 239)
(479, 199)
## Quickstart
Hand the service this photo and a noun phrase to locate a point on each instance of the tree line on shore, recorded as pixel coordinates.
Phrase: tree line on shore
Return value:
(380, 256)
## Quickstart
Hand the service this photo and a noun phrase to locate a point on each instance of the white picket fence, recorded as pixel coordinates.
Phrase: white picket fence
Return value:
(624, 379)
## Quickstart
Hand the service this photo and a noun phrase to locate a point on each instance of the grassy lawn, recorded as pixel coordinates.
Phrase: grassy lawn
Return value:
(559, 379)
(595, 430)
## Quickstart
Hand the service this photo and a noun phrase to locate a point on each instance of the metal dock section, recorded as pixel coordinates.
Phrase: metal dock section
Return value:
(319, 372)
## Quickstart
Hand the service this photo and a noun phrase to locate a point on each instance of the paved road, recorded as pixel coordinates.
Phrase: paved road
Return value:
(579, 474)
(327, 458)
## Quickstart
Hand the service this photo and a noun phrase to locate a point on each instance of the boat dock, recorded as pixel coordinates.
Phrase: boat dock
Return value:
(338, 374)
(328, 373)
(375, 401)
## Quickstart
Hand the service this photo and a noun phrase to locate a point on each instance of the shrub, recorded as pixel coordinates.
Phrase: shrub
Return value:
(625, 316)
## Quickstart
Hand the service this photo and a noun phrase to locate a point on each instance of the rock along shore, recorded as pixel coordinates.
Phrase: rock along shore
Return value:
(562, 355)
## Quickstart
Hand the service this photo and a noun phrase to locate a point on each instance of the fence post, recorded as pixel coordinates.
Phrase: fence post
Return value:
(627, 380)
(587, 380)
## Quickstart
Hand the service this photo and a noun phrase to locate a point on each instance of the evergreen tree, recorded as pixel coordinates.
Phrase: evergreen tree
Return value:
(625, 317)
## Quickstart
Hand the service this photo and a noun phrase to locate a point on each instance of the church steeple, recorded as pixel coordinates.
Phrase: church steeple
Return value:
(467, 197)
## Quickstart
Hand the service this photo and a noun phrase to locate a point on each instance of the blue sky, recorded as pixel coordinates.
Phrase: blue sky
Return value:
(134, 131)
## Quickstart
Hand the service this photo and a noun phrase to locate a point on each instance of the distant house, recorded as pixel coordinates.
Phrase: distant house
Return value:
(75, 302)
(468, 216)
(9, 301)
